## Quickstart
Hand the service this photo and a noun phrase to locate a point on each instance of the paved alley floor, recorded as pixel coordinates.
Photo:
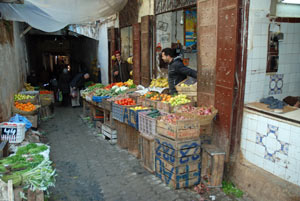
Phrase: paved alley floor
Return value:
(90, 169)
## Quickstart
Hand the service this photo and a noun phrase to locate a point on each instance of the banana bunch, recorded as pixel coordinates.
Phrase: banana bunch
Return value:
(160, 82)
(28, 87)
(129, 82)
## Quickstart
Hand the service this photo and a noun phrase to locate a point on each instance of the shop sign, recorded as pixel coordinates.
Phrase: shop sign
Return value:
(162, 6)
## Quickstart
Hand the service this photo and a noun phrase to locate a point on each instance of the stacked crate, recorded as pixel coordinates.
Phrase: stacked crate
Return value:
(178, 163)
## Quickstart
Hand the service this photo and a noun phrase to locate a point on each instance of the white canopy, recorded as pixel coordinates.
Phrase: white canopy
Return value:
(53, 15)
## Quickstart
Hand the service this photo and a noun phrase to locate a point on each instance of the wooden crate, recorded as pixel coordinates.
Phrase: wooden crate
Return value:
(182, 176)
(109, 134)
(34, 119)
(122, 135)
(177, 152)
(147, 149)
(150, 103)
(212, 165)
(46, 111)
(133, 141)
(166, 107)
(107, 105)
(182, 130)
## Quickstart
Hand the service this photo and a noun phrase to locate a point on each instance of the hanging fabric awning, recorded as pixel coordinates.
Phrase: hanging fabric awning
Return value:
(53, 15)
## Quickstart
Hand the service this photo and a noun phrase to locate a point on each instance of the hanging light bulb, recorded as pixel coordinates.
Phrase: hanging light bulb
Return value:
(181, 19)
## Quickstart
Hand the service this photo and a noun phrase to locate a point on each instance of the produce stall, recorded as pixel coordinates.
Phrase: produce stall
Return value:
(166, 132)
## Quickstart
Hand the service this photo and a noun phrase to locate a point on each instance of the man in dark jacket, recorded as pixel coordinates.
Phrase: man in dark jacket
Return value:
(121, 70)
(63, 85)
(177, 71)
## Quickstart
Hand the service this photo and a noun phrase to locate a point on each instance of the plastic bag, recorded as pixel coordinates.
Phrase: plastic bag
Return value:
(20, 119)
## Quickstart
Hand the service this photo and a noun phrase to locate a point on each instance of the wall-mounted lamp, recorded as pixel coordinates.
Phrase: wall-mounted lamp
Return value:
(291, 1)
(181, 19)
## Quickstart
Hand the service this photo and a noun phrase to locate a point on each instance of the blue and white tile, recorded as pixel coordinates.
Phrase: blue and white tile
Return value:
(281, 159)
(251, 136)
(292, 164)
(284, 135)
(252, 124)
(269, 166)
(292, 176)
(259, 161)
(262, 127)
(250, 146)
(294, 151)
(295, 130)
(260, 150)
(280, 171)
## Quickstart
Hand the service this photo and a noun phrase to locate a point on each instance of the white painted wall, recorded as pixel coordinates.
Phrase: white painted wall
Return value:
(289, 51)
(288, 10)
(146, 8)
(103, 53)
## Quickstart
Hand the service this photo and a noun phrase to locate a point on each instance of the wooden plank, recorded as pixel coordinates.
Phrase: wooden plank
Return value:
(148, 152)
(133, 141)
(39, 195)
(122, 135)
(17, 192)
(30, 195)
(10, 190)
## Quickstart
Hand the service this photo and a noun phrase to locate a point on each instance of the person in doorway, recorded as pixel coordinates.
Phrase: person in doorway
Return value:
(63, 84)
(121, 69)
(177, 71)
(76, 84)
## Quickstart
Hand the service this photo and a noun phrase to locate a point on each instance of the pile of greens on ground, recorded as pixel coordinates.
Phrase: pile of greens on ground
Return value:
(230, 189)
(28, 168)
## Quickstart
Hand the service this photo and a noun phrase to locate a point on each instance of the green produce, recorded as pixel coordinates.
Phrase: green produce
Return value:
(98, 85)
(19, 97)
(154, 113)
(28, 167)
(179, 100)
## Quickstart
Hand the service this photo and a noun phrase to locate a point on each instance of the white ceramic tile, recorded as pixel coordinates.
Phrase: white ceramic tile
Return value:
(290, 27)
(250, 156)
(284, 135)
(291, 176)
(294, 151)
(262, 127)
(269, 166)
(250, 146)
(273, 122)
(244, 133)
(281, 159)
(251, 136)
(280, 171)
(252, 124)
(257, 28)
(259, 161)
(283, 27)
(260, 150)
(295, 130)
(292, 164)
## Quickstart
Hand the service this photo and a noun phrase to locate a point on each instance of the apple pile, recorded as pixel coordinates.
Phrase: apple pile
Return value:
(173, 118)
(195, 110)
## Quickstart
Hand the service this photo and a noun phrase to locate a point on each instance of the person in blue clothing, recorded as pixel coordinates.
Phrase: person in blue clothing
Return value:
(177, 71)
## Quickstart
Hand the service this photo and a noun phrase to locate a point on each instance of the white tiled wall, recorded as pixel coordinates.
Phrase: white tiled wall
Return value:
(257, 81)
(272, 145)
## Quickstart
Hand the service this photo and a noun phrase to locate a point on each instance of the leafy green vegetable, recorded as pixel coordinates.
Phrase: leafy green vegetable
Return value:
(230, 189)
(25, 150)
(38, 149)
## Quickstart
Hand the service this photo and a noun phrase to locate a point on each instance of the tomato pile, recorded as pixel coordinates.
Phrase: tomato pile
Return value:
(126, 101)
(46, 92)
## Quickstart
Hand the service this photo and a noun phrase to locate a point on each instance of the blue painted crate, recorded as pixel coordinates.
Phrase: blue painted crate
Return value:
(120, 112)
(133, 118)
(98, 99)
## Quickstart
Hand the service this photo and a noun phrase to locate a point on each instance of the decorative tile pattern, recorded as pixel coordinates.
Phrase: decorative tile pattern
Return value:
(271, 143)
(276, 84)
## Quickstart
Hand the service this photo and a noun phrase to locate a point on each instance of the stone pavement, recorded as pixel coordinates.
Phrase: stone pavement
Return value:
(90, 169)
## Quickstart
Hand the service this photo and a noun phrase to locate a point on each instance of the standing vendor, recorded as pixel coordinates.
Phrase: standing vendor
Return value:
(121, 69)
(177, 71)
(76, 84)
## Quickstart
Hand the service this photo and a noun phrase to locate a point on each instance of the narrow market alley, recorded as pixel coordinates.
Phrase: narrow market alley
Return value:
(90, 169)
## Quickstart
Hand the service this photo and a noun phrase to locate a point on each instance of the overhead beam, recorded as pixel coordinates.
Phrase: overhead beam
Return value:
(12, 1)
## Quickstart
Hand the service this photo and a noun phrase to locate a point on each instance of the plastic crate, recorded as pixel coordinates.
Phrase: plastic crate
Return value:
(133, 118)
(120, 112)
(147, 125)
(12, 132)
(99, 99)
